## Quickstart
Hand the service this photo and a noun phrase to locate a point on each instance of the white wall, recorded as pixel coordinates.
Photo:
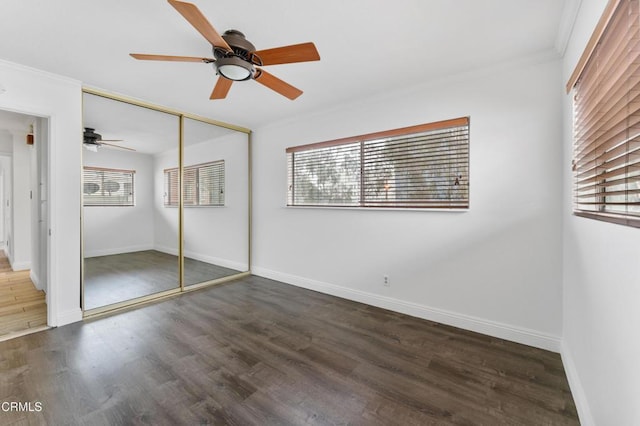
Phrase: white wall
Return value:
(38, 93)
(6, 142)
(113, 230)
(495, 268)
(601, 347)
(20, 248)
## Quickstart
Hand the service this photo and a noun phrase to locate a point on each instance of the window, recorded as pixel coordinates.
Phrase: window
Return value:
(203, 185)
(108, 187)
(425, 166)
(606, 85)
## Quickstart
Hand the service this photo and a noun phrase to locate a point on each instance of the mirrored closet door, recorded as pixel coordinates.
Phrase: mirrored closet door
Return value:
(216, 202)
(130, 239)
(165, 202)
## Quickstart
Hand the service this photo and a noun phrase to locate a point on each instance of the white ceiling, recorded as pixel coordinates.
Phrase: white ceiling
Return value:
(145, 130)
(366, 46)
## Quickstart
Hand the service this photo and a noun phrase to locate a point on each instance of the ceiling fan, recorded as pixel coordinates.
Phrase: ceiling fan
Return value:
(92, 141)
(235, 58)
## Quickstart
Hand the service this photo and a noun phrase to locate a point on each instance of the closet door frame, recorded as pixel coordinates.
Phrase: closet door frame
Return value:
(181, 288)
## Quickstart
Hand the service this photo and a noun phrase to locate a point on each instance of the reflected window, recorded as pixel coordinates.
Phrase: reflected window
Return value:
(108, 187)
(203, 185)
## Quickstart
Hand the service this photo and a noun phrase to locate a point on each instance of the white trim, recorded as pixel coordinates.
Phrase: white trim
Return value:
(226, 263)
(52, 295)
(167, 250)
(35, 280)
(480, 325)
(577, 390)
(46, 74)
(568, 18)
(68, 317)
(20, 266)
(381, 209)
(118, 250)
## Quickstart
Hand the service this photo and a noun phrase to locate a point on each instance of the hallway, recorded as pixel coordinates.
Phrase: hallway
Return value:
(22, 307)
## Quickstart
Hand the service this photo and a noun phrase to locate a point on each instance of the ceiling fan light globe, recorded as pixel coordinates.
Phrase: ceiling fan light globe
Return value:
(234, 72)
(234, 68)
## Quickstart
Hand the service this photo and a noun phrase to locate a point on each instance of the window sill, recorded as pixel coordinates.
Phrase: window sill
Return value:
(384, 209)
(108, 205)
(196, 207)
(611, 218)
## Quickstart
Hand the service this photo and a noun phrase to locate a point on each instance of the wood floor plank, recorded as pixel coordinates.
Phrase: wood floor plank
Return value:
(22, 306)
(259, 352)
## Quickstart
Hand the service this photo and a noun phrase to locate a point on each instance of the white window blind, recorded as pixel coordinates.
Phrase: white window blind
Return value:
(171, 187)
(190, 186)
(606, 163)
(108, 187)
(204, 185)
(424, 166)
(211, 184)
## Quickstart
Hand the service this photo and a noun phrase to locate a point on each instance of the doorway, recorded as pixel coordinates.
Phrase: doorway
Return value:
(24, 252)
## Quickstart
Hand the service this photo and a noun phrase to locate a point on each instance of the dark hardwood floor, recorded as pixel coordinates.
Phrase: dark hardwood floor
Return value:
(259, 352)
(119, 277)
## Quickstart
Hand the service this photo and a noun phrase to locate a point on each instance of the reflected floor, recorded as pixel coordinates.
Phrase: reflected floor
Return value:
(120, 277)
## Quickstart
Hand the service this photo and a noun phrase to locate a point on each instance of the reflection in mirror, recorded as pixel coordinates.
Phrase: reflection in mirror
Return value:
(216, 208)
(130, 239)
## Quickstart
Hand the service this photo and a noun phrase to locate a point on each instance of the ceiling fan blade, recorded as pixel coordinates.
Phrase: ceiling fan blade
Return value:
(274, 83)
(303, 52)
(192, 14)
(111, 140)
(116, 146)
(221, 89)
(145, 57)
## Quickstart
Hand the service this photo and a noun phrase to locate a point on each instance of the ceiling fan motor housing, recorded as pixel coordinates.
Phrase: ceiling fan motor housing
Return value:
(241, 56)
(241, 46)
(90, 136)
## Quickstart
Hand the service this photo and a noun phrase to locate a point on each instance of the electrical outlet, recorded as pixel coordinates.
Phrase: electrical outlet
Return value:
(386, 281)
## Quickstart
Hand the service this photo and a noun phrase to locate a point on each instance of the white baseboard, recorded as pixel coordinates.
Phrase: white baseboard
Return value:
(20, 266)
(455, 319)
(168, 250)
(67, 317)
(226, 263)
(35, 280)
(117, 250)
(577, 391)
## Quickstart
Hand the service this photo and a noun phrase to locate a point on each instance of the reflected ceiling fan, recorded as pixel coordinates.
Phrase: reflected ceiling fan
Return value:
(235, 58)
(92, 141)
